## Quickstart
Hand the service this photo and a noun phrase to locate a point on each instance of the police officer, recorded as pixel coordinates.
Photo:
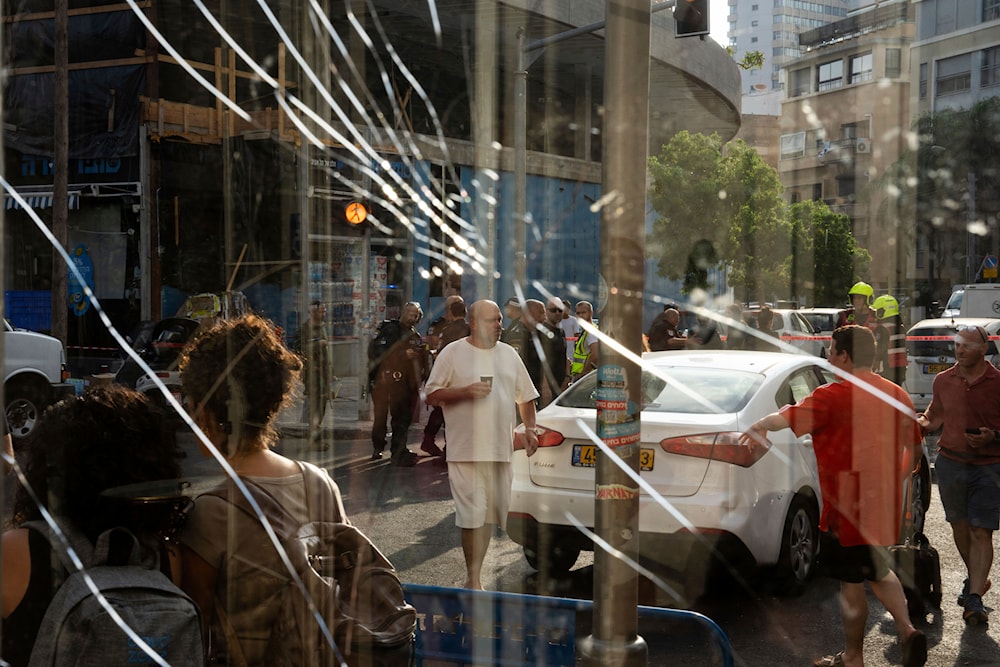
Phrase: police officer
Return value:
(399, 363)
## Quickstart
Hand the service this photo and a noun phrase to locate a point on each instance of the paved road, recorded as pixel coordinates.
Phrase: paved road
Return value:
(408, 512)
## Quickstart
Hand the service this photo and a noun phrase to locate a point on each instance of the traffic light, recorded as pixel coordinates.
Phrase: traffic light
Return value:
(691, 18)
(355, 213)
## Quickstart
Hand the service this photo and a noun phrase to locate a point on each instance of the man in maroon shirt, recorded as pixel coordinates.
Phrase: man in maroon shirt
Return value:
(967, 402)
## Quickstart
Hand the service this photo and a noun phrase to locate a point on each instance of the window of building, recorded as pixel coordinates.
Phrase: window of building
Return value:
(893, 63)
(800, 82)
(793, 145)
(991, 10)
(990, 74)
(830, 75)
(753, 24)
(954, 75)
(753, 8)
(923, 81)
(861, 68)
(817, 191)
(846, 185)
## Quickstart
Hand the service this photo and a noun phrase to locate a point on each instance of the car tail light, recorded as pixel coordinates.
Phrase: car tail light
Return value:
(64, 374)
(724, 447)
(546, 437)
(163, 375)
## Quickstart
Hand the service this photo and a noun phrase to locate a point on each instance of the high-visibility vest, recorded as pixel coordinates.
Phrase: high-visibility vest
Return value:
(897, 347)
(580, 354)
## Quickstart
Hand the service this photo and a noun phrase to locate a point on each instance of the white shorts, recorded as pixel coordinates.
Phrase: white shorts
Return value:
(481, 490)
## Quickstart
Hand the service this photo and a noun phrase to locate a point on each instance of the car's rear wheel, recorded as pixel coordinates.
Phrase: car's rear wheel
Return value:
(550, 553)
(799, 546)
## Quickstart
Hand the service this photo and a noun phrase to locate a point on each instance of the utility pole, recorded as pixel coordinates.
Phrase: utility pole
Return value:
(619, 398)
(60, 165)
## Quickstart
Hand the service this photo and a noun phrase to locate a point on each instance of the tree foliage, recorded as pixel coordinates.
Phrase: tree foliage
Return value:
(724, 205)
(825, 259)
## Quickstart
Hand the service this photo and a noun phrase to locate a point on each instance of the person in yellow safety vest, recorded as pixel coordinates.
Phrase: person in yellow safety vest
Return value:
(891, 337)
(586, 349)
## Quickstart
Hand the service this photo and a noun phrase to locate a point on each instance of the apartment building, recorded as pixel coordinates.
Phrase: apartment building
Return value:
(843, 126)
(956, 65)
(773, 28)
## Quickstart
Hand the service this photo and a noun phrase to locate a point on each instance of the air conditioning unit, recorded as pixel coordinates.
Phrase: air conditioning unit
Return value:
(863, 146)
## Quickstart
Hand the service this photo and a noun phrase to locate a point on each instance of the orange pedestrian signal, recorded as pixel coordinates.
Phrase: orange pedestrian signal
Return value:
(356, 213)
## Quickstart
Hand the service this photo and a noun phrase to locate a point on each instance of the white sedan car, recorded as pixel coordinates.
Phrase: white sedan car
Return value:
(756, 506)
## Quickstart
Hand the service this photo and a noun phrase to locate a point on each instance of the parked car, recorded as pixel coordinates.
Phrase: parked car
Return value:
(34, 376)
(822, 320)
(747, 505)
(159, 346)
(793, 329)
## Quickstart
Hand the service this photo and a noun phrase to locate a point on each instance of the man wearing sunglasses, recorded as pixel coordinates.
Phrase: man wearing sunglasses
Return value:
(966, 402)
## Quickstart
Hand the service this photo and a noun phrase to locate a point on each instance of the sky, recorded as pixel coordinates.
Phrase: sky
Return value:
(718, 10)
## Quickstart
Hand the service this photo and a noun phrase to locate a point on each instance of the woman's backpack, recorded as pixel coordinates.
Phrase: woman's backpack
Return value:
(78, 630)
(354, 588)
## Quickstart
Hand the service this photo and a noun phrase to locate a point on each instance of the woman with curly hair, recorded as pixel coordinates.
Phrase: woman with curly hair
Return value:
(236, 377)
(109, 437)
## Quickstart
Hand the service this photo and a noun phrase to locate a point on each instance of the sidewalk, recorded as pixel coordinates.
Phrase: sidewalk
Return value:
(350, 418)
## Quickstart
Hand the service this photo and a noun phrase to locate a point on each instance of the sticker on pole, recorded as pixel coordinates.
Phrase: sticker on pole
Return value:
(616, 422)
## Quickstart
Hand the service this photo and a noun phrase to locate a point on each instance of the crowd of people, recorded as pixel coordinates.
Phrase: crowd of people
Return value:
(480, 378)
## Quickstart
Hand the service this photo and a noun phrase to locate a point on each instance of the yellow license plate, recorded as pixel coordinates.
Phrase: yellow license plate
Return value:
(585, 456)
(934, 369)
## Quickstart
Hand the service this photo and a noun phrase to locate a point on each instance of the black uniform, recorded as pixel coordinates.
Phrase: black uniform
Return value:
(395, 379)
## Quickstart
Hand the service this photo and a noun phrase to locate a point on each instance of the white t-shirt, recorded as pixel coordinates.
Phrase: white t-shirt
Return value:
(571, 328)
(481, 429)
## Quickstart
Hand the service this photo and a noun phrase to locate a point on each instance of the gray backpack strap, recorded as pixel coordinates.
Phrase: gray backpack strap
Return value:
(77, 541)
(322, 495)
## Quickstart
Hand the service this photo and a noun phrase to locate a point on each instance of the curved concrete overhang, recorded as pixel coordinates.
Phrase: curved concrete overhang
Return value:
(694, 84)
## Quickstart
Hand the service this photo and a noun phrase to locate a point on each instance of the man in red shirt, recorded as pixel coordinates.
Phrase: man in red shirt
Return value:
(865, 438)
(967, 402)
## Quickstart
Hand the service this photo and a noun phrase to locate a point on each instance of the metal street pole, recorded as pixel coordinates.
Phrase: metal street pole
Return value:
(616, 504)
(60, 168)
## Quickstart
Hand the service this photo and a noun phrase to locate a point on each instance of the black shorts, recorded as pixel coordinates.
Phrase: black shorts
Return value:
(855, 564)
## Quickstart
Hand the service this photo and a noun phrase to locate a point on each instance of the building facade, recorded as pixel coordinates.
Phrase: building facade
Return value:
(773, 28)
(956, 68)
(218, 151)
(843, 130)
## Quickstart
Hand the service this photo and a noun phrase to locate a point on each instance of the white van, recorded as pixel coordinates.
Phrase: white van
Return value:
(979, 300)
(930, 349)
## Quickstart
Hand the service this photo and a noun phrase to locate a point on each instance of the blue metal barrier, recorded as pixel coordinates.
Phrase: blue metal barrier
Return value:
(492, 628)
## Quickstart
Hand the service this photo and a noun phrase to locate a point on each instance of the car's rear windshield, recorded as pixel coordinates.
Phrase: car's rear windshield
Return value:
(936, 342)
(819, 321)
(690, 391)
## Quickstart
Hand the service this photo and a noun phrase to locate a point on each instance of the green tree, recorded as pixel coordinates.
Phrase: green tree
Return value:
(715, 206)
(826, 259)
(946, 185)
